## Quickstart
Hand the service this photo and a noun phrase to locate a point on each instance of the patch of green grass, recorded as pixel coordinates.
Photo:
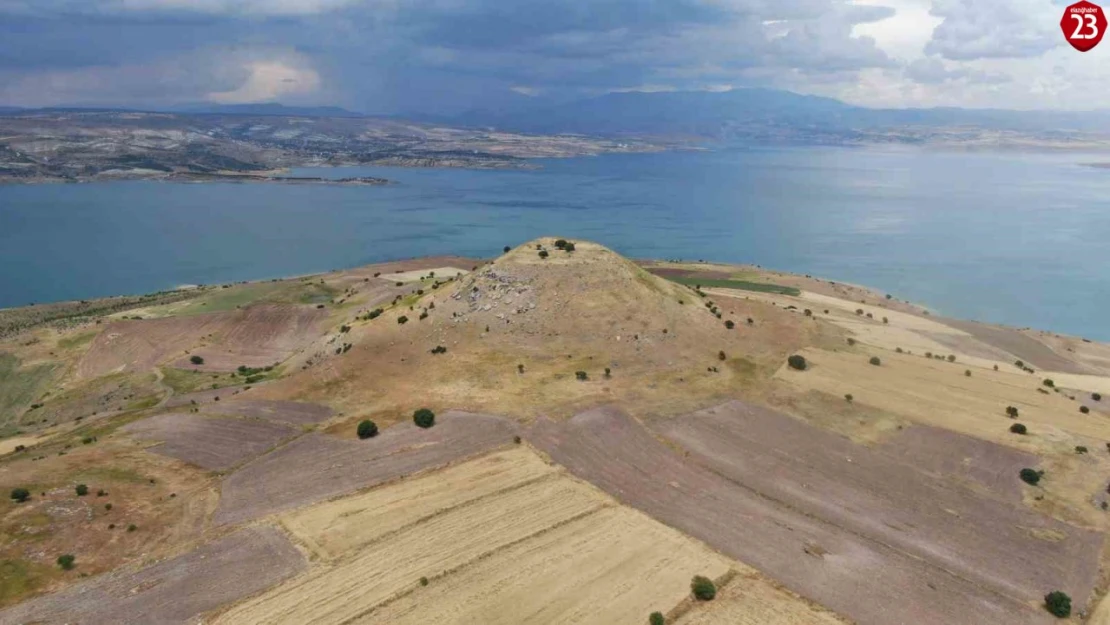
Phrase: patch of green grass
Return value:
(19, 578)
(79, 340)
(21, 386)
(93, 475)
(143, 403)
(745, 285)
(186, 381)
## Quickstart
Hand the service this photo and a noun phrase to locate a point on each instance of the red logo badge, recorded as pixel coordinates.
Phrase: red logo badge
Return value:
(1083, 24)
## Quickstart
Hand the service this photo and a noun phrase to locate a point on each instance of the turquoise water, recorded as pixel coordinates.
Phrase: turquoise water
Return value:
(1013, 238)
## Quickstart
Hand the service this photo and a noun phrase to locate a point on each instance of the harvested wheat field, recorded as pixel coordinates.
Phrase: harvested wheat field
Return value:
(178, 590)
(504, 538)
(317, 466)
(814, 558)
(751, 599)
(938, 393)
(213, 443)
(974, 535)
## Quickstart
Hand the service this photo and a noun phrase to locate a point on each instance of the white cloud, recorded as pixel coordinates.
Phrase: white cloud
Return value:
(269, 81)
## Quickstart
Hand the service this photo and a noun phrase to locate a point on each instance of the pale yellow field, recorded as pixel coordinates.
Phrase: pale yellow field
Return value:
(441, 273)
(749, 599)
(614, 566)
(504, 538)
(334, 528)
(8, 445)
(938, 393)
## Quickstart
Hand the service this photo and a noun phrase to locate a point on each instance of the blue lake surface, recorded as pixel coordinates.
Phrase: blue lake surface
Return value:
(1014, 238)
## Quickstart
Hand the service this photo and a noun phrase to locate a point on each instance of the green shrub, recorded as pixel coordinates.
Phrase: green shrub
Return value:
(729, 324)
(560, 243)
(1049, 383)
(967, 372)
(402, 320)
(82, 490)
(569, 247)
(656, 618)
(20, 494)
(1012, 412)
(66, 561)
(1096, 397)
(1084, 409)
(132, 527)
(196, 360)
(423, 581)
(848, 397)
(721, 355)
(1018, 428)
(1081, 449)
(543, 253)
(1058, 604)
(367, 429)
(581, 375)
(1030, 476)
(875, 361)
(851, 341)
(797, 362)
(608, 373)
(424, 418)
(951, 358)
(703, 588)
(374, 314)
(506, 250)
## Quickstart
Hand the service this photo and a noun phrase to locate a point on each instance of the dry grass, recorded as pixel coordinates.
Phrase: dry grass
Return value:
(751, 599)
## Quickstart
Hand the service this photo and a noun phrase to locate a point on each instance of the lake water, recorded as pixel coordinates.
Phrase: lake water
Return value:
(1014, 238)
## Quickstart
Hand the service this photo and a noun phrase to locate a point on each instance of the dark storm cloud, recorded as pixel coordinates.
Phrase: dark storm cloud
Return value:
(430, 55)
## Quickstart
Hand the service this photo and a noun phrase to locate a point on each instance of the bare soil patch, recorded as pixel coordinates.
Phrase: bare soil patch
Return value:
(1035, 353)
(966, 459)
(979, 538)
(213, 443)
(316, 467)
(811, 557)
(177, 590)
(291, 412)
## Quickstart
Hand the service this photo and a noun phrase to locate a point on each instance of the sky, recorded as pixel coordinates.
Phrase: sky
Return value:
(445, 57)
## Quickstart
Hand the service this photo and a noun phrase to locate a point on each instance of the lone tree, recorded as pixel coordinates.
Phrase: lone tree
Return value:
(196, 360)
(1030, 476)
(730, 324)
(66, 562)
(560, 243)
(721, 355)
(1018, 428)
(1049, 383)
(82, 490)
(367, 429)
(1012, 412)
(569, 247)
(797, 362)
(703, 588)
(1084, 409)
(20, 494)
(848, 397)
(656, 618)
(1058, 604)
(1096, 396)
(543, 253)
(875, 361)
(424, 418)
(951, 358)
(581, 375)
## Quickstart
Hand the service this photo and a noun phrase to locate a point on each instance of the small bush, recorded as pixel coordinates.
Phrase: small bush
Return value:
(1096, 397)
(875, 361)
(1049, 383)
(581, 375)
(132, 527)
(1012, 412)
(569, 247)
(859, 311)
(424, 418)
(82, 490)
(797, 362)
(807, 312)
(898, 350)
(516, 439)
(656, 618)
(608, 373)
(520, 368)
(703, 588)
(20, 494)
(108, 507)
(374, 314)
(367, 429)
(729, 324)
(1018, 428)
(1019, 364)
(851, 341)
(967, 372)
(196, 360)
(543, 253)
(1030, 476)
(848, 397)
(67, 561)
(423, 581)
(1081, 449)
(1084, 409)
(402, 320)
(721, 355)
(560, 243)
(506, 250)
(885, 320)
(1058, 604)
(951, 358)
(439, 349)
